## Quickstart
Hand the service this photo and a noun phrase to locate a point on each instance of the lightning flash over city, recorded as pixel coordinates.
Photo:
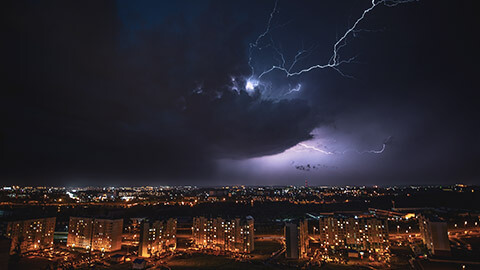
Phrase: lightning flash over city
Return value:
(239, 134)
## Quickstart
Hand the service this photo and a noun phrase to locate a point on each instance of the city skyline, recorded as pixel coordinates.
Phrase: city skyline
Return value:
(264, 227)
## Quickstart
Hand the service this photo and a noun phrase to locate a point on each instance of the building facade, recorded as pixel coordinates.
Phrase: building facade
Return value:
(157, 237)
(368, 233)
(296, 239)
(107, 234)
(95, 234)
(31, 234)
(434, 235)
(80, 233)
(236, 235)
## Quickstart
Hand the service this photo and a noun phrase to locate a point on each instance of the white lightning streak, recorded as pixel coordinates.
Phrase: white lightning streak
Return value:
(316, 149)
(298, 57)
(377, 151)
(295, 89)
(384, 146)
(255, 44)
(334, 61)
(367, 151)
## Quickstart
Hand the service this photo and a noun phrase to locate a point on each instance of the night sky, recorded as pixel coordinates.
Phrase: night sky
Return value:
(161, 93)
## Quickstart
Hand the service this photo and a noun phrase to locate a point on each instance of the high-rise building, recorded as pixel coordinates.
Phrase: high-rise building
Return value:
(296, 239)
(80, 233)
(291, 241)
(132, 232)
(157, 237)
(434, 235)
(207, 233)
(236, 235)
(95, 234)
(367, 233)
(107, 234)
(31, 234)
(248, 235)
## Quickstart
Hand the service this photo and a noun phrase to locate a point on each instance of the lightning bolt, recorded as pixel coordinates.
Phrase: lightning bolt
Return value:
(384, 146)
(316, 149)
(334, 62)
(295, 89)
(262, 35)
(300, 55)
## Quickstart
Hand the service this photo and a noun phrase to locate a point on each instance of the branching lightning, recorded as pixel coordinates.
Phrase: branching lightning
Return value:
(334, 62)
(380, 151)
(295, 89)
(367, 151)
(256, 43)
(316, 149)
(293, 68)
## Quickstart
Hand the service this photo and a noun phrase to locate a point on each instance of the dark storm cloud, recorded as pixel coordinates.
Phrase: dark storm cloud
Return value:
(121, 90)
(240, 126)
(84, 101)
